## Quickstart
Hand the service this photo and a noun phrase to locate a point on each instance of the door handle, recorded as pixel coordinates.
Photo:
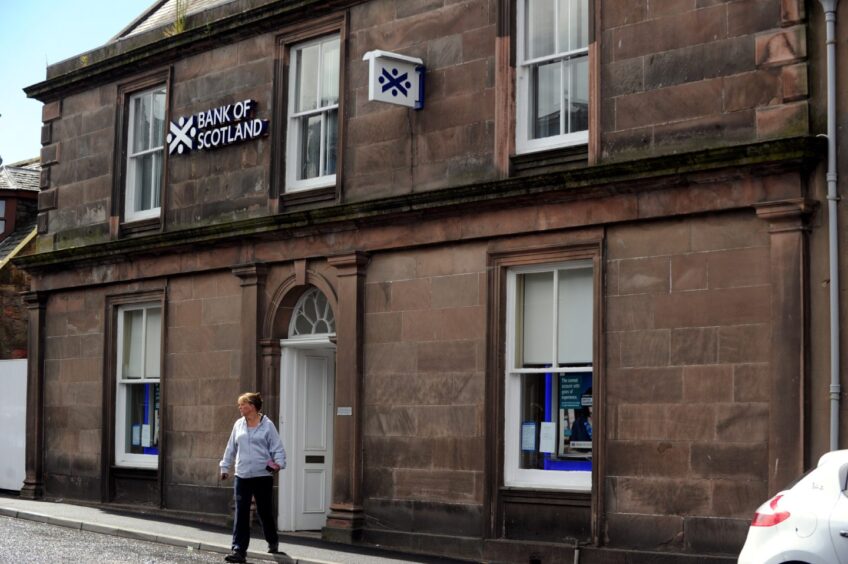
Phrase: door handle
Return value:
(843, 534)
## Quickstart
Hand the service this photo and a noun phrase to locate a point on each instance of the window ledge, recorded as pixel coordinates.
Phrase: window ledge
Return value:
(551, 160)
(303, 197)
(546, 497)
(141, 226)
(135, 472)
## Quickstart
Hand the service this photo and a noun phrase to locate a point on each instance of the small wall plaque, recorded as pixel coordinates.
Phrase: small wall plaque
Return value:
(344, 411)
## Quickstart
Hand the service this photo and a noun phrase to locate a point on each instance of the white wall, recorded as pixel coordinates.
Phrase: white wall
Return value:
(13, 383)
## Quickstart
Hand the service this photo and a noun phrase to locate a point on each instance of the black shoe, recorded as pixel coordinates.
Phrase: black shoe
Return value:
(274, 550)
(234, 557)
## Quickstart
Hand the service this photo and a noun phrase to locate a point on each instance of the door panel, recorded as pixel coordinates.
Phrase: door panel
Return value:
(315, 429)
(315, 486)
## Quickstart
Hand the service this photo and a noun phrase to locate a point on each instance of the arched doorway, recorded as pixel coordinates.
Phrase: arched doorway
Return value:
(307, 384)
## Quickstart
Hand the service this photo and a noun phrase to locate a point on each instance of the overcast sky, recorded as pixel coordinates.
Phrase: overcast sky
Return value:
(36, 33)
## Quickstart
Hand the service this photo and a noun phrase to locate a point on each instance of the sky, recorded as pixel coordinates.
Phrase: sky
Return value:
(35, 33)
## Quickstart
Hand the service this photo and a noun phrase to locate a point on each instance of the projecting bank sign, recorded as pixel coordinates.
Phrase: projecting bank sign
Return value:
(218, 127)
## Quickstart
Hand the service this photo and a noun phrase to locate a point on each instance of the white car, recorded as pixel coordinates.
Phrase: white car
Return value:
(807, 522)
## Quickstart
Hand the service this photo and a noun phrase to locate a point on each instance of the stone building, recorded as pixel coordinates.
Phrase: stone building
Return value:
(576, 300)
(18, 200)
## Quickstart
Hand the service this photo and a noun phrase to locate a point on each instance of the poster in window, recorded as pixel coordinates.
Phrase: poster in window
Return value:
(547, 437)
(528, 436)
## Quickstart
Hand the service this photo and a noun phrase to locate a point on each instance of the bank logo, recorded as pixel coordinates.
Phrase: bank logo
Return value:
(216, 127)
(394, 82)
(395, 79)
(181, 137)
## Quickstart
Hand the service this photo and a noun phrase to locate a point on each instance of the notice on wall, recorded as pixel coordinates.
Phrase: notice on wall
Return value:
(145, 436)
(136, 435)
(547, 437)
(528, 436)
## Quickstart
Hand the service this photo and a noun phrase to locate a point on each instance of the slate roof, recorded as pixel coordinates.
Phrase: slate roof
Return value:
(164, 12)
(22, 175)
(11, 242)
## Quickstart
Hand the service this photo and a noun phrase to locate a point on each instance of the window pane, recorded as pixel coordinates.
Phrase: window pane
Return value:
(142, 419)
(575, 307)
(155, 179)
(2, 208)
(573, 24)
(540, 31)
(143, 182)
(158, 118)
(306, 84)
(141, 123)
(579, 24)
(556, 422)
(578, 106)
(310, 147)
(132, 345)
(547, 86)
(537, 320)
(332, 118)
(330, 73)
(153, 342)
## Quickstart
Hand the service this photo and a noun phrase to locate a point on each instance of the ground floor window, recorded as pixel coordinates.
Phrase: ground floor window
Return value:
(549, 374)
(137, 409)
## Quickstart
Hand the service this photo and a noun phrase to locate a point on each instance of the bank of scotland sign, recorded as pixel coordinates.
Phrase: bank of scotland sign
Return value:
(218, 127)
(396, 79)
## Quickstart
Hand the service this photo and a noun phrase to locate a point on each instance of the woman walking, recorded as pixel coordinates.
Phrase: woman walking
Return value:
(258, 452)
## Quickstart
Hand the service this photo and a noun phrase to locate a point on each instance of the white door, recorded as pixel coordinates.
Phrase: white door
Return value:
(308, 380)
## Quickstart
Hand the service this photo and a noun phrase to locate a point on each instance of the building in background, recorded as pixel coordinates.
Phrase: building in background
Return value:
(576, 300)
(19, 186)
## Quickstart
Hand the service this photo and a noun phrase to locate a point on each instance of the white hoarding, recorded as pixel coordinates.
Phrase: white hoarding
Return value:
(13, 381)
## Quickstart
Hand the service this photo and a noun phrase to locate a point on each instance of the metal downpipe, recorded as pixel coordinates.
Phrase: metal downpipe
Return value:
(829, 7)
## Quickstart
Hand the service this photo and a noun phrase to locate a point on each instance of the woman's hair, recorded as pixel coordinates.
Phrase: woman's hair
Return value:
(253, 398)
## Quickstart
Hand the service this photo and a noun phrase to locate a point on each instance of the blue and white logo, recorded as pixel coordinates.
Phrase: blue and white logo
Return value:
(391, 81)
(181, 137)
(396, 79)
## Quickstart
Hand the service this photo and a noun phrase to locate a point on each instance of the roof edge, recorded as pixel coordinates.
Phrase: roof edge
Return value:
(216, 25)
(26, 240)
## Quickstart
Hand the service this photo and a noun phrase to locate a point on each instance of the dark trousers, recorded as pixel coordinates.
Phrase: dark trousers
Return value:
(262, 490)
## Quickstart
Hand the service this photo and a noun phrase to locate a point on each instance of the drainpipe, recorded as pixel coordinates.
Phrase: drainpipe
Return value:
(829, 7)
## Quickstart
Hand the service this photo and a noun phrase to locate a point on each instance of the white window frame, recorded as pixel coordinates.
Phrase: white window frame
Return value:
(514, 476)
(523, 78)
(122, 457)
(293, 131)
(130, 213)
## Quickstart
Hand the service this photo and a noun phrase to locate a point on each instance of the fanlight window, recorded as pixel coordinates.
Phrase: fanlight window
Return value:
(312, 316)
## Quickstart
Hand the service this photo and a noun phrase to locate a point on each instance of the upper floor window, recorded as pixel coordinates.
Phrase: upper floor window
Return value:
(145, 154)
(2, 216)
(313, 114)
(552, 73)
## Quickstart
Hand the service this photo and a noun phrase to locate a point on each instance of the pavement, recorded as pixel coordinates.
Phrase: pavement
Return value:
(197, 537)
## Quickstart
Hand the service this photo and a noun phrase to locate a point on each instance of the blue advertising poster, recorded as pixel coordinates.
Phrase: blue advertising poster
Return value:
(572, 388)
